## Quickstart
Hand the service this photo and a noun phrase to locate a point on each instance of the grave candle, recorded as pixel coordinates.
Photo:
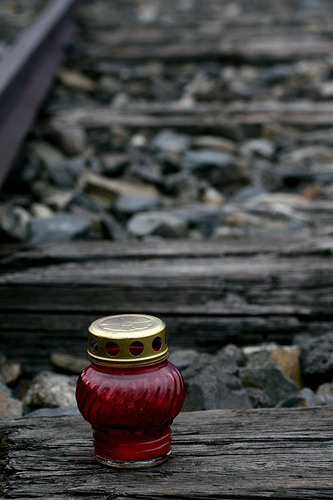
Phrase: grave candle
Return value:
(130, 393)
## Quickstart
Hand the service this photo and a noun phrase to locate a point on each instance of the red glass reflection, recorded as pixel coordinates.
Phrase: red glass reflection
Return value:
(136, 348)
(112, 349)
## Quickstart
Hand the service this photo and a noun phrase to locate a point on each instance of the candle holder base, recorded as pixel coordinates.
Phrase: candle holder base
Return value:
(131, 464)
(127, 450)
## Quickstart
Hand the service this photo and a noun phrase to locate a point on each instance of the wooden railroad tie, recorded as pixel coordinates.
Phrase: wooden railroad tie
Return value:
(217, 454)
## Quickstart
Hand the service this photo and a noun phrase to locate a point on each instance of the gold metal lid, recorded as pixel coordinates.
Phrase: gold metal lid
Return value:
(127, 339)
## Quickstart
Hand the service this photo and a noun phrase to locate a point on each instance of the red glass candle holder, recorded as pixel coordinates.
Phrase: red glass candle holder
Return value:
(130, 393)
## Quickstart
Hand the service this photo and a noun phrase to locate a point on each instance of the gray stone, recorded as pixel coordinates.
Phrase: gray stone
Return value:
(46, 153)
(199, 214)
(241, 80)
(304, 399)
(60, 227)
(68, 363)
(220, 169)
(203, 217)
(213, 382)
(182, 358)
(271, 380)
(223, 232)
(15, 222)
(317, 360)
(9, 407)
(76, 80)
(94, 165)
(54, 412)
(41, 211)
(253, 350)
(183, 185)
(213, 142)
(258, 398)
(212, 196)
(10, 372)
(90, 203)
(113, 229)
(120, 100)
(128, 204)
(114, 164)
(71, 140)
(274, 356)
(293, 175)
(157, 223)
(328, 190)
(150, 172)
(119, 138)
(277, 73)
(247, 192)
(50, 390)
(59, 200)
(231, 215)
(226, 231)
(202, 159)
(109, 84)
(43, 190)
(147, 13)
(169, 146)
(259, 147)
(306, 155)
(139, 141)
(269, 177)
(275, 207)
(234, 351)
(326, 89)
(170, 142)
(200, 86)
(324, 394)
(309, 396)
(109, 189)
(66, 173)
(94, 217)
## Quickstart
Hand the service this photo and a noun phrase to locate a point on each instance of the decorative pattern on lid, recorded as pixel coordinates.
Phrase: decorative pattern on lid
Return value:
(127, 339)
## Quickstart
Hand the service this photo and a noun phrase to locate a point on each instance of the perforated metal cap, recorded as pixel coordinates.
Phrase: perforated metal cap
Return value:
(127, 339)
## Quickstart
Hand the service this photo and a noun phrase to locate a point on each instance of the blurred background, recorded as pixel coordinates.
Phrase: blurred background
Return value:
(181, 165)
(186, 119)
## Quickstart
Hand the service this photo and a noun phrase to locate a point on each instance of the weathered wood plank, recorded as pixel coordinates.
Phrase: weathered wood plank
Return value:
(14, 257)
(268, 48)
(225, 454)
(242, 32)
(209, 293)
(31, 338)
(201, 116)
(278, 18)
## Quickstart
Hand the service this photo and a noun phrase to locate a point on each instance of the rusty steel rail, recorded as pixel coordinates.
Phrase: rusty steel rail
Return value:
(26, 73)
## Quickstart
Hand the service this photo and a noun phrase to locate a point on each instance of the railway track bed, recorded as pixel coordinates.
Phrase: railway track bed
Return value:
(181, 106)
(181, 166)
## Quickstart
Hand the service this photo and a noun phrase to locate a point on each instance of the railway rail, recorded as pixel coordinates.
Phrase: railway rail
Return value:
(26, 73)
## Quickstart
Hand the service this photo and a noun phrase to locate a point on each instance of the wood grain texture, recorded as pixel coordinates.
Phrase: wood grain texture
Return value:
(209, 293)
(258, 36)
(224, 454)
(203, 116)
